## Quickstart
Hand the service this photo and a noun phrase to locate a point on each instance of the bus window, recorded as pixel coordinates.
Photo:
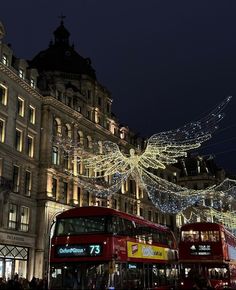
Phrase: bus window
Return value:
(80, 225)
(214, 236)
(190, 236)
(116, 225)
(56, 277)
(210, 236)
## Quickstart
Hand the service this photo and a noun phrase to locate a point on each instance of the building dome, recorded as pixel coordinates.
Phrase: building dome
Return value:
(61, 56)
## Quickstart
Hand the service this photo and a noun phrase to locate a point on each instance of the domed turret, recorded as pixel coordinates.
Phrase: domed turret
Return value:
(61, 56)
(61, 35)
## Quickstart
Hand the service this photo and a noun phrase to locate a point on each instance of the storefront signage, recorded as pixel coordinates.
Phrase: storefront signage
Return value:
(79, 250)
(200, 250)
(17, 240)
(144, 251)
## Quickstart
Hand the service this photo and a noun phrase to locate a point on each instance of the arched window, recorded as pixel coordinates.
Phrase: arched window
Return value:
(80, 137)
(89, 142)
(56, 126)
(68, 130)
(55, 155)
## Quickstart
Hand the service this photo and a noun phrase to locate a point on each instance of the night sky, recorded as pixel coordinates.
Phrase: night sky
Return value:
(165, 63)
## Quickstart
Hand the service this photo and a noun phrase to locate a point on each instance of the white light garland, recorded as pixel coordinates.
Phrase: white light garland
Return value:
(209, 214)
(109, 168)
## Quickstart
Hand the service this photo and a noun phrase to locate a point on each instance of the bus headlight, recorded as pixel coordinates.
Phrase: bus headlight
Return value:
(225, 283)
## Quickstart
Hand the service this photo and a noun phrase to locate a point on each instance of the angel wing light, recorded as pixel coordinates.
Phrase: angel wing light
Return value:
(162, 149)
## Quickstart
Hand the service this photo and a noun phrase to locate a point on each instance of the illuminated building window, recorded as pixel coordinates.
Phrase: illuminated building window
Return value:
(28, 183)
(140, 192)
(97, 117)
(5, 59)
(31, 114)
(16, 178)
(19, 140)
(21, 73)
(57, 127)
(55, 155)
(30, 146)
(12, 216)
(20, 107)
(3, 94)
(54, 187)
(80, 137)
(88, 142)
(122, 135)
(2, 130)
(32, 83)
(24, 219)
(68, 131)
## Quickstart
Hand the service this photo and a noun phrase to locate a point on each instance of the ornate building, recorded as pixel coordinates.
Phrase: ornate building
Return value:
(55, 95)
(199, 172)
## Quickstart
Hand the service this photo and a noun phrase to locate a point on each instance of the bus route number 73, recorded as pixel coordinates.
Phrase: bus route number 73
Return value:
(94, 250)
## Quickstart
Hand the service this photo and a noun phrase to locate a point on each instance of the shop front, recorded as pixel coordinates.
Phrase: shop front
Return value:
(16, 255)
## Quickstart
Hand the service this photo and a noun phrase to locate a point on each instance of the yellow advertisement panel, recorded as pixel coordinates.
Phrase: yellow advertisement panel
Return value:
(146, 251)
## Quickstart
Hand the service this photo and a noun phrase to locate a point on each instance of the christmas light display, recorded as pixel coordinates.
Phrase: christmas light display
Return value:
(209, 214)
(107, 168)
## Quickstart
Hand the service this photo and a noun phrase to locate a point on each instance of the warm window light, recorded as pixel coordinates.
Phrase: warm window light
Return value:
(19, 140)
(3, 94)
(2, 130)
(122, 135)
(21, 73)
(32, 114)
(21, 107)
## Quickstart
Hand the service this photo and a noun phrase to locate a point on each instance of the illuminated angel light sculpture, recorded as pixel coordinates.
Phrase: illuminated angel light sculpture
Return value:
(162, 149)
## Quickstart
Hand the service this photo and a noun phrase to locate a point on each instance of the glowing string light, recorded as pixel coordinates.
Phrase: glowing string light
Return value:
(162, 149)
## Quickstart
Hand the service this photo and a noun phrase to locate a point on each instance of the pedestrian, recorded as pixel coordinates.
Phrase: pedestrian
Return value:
(33, 283)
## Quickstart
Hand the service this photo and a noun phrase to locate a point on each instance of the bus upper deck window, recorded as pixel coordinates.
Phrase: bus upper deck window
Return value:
(209, 236)
(190, 236)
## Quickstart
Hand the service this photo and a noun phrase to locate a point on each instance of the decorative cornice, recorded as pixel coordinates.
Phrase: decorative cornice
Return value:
(49, 100)
(12, 75)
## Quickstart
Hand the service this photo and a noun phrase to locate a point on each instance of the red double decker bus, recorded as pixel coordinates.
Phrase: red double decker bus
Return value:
(207, 251)
(97, 248)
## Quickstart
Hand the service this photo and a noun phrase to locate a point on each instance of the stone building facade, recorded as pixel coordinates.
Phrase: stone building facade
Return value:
(199, 172)
(20, 124)
(55, 95)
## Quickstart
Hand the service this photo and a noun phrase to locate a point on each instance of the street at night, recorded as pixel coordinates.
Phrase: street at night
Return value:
(117, 146)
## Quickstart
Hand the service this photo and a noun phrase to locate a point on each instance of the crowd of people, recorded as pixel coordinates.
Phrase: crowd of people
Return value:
(23, 284)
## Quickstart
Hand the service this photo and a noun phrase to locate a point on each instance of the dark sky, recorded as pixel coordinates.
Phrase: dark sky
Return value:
(165, 62)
